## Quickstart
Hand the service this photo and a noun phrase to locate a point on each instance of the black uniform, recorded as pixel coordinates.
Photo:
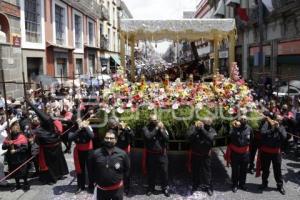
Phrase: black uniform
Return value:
(240, 137)
(125, 139)
(20, 145)
(84, 145)
(272, 138)
(254, 146)
(33, 148)
(107, 172)
(52, 161)
(201, 141)
(156, 141)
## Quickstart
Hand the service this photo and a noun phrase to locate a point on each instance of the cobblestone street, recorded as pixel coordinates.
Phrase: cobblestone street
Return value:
(179, 184)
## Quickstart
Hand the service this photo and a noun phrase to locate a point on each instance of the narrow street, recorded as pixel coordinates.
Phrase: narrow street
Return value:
(179, 186)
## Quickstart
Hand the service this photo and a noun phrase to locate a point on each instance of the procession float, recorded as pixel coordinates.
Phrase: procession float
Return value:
(178, 104)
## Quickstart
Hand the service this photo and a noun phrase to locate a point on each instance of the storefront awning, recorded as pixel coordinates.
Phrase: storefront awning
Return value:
(232, 2)
(220, 11)
(288, 60)
(116, 58)
(57, 46)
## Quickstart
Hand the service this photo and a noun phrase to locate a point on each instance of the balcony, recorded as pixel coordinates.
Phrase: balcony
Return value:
(104, 13)
(104, 43)
(89, 7)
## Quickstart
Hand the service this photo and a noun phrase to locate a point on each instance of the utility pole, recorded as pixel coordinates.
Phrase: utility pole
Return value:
(261, 34)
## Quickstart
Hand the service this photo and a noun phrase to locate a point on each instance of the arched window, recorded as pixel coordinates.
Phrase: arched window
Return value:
(5, 26)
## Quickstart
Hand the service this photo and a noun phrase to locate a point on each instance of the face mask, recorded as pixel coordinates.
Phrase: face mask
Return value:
(109, 145)
(153, 123)
(243, 123)
(206, 126)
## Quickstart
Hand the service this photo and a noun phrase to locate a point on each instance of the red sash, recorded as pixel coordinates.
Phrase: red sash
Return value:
(236, 149)
(144, 158)
(58, 125)
(264, 149)
(112, 187)
(127, 149)
(80, 147)
(42, 161)
(21, 139)
(189, 160)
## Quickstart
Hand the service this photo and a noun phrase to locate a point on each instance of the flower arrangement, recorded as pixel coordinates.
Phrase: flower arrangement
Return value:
(178, 104)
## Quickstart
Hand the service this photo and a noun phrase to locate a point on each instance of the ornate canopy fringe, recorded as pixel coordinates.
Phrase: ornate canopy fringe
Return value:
(215, 30)
(184, 29)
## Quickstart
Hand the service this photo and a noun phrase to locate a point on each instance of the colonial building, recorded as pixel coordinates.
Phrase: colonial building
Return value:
(109, 35)
(10, 51)
(278, 33)
(63, 38)
(60, 37)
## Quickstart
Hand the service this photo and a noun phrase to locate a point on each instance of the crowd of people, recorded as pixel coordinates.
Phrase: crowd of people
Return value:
(35, 128)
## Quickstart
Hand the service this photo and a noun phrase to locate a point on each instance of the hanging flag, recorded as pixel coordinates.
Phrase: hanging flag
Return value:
(268, 4)
(242, 13)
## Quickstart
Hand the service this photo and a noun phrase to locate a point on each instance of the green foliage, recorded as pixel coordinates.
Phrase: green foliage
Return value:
(176, 121)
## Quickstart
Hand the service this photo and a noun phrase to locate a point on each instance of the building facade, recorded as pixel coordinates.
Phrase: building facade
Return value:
(66, 38)
(278, 34)
(10, 48)
(110, 34)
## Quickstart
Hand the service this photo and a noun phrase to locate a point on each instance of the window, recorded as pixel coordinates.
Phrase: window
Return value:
(78, 31)
(91, 33)
(91, 64)
(114, 17)
(60, 24)
(33, 21)
(114, 42)
(101, 29)
(108, 37)
(61, 67)
(79, 69)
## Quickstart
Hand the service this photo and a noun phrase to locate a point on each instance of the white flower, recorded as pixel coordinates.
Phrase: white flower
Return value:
(107, 110)
(175, 106)
(231, 111)
(120, 110)
(199, 106)
(129, 104)
(151, 106)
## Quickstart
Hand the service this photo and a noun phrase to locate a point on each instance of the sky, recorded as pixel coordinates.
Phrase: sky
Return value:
(160, 9)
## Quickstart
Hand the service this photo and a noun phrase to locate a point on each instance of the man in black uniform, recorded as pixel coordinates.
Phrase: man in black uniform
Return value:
(237, 152)
(107, 168)
(273, 134)
(255, 143)
(52, 162)
(156, 139)
(125, 138)
(84, 145)
(201, 137)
